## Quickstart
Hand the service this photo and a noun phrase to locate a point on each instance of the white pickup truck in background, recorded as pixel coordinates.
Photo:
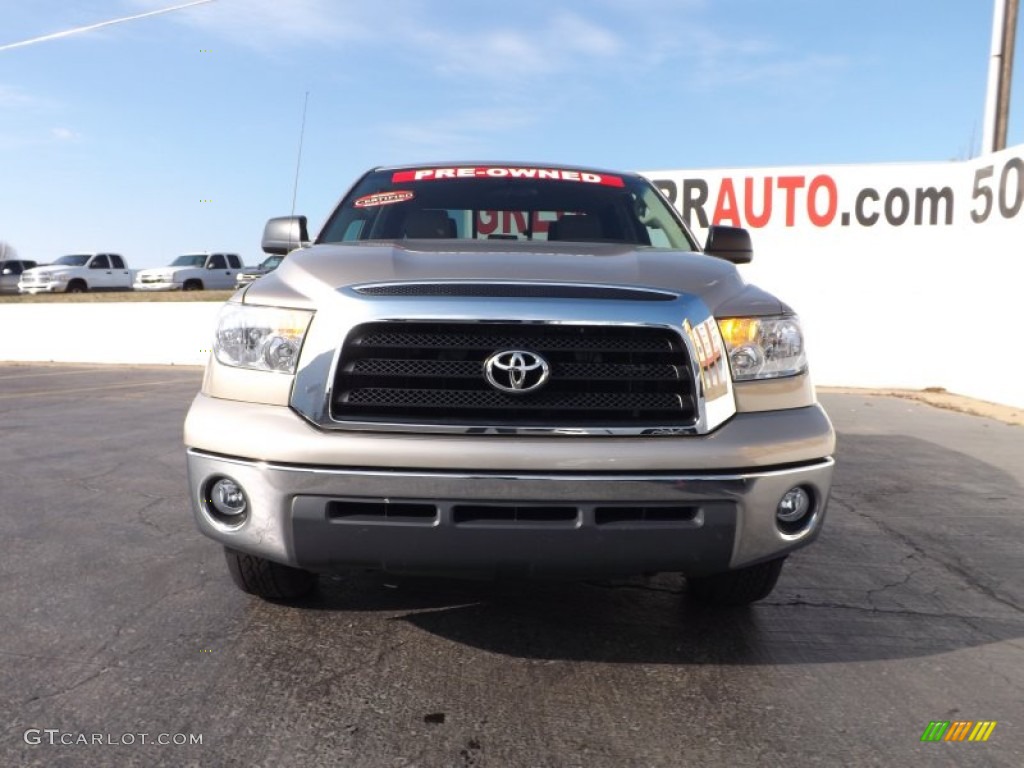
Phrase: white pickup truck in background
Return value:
(192, 272)
(78, 273)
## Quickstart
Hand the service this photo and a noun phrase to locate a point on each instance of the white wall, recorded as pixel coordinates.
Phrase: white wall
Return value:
(178, 333)
(888, 302)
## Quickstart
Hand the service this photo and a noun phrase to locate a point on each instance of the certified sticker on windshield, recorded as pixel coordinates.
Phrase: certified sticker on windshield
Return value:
(384, 198)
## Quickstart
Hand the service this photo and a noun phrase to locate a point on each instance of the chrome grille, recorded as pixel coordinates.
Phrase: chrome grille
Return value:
(433, 373)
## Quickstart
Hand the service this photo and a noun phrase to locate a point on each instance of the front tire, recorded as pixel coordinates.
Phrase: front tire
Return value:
(77, 286)
(740, 587)
(192, 285)
(267, 579)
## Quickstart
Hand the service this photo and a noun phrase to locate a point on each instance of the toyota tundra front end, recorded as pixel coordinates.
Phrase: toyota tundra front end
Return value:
(508, 370)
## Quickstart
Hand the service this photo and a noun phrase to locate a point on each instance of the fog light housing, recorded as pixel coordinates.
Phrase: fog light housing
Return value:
(794, 512)
(226, 502)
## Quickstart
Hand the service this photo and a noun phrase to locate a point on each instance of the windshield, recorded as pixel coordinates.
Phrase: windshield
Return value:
(74, 260)
(271, 263)
(190, 260)
(505, 203)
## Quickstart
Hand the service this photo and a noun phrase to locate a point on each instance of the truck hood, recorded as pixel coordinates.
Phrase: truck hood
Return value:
(49, 269)
(308, 275)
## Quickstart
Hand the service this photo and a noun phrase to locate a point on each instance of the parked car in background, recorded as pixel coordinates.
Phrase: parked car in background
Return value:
(10, 273)
(248, 274)
(192, 272)
(77, 273)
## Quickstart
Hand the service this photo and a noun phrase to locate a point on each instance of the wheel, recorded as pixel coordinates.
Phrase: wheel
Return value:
(192, 285)
(739, 587)
(77, 286)
(267, 579)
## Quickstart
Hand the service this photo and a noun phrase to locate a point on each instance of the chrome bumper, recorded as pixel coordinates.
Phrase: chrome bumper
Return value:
(529, 523)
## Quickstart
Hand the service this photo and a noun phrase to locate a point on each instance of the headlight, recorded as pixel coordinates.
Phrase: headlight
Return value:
(764, 347)
(260, 338)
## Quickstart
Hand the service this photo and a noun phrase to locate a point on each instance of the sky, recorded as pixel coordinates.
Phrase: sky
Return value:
(181, 131)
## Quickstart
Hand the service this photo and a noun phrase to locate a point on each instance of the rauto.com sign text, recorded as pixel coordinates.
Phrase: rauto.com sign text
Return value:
(894, 268)
(838, 198)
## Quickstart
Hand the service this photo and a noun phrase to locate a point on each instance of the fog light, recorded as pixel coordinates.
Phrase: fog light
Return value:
(794, 511)
(794, 505)
(228, 500)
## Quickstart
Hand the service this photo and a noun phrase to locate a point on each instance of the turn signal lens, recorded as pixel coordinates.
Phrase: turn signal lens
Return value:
(764, 347)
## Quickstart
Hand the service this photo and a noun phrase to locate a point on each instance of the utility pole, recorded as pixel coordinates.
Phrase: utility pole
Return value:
(1000, 74)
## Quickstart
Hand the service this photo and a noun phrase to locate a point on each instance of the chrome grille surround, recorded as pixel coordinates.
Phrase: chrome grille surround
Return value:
(320, 380)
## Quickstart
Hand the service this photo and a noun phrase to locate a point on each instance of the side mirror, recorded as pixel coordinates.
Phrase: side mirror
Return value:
(284, 234)
(729, 243)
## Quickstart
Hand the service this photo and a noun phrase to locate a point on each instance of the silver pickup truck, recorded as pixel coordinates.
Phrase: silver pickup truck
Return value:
(508, 370)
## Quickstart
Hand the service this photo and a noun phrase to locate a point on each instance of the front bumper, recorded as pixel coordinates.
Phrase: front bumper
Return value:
(43, 288)
(499, 504)
(162, 286)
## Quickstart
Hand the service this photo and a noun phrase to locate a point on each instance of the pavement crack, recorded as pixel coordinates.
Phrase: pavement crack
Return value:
(901, 582)
(875, 610)
(67, 689)
(954, 568)
(85, 480)
(837, 499)
(141, 514)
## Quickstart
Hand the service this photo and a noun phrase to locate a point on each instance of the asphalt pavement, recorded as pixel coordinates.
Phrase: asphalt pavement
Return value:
(121, 630)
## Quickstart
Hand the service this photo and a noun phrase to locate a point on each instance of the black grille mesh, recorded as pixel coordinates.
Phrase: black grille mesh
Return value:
(433, 373)
(456, 398)
(497, 340)
(474, 369)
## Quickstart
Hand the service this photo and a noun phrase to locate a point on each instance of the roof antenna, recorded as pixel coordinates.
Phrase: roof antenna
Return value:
(298, 161)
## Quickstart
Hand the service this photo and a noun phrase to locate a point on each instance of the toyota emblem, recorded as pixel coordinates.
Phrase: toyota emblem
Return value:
(516, 371)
